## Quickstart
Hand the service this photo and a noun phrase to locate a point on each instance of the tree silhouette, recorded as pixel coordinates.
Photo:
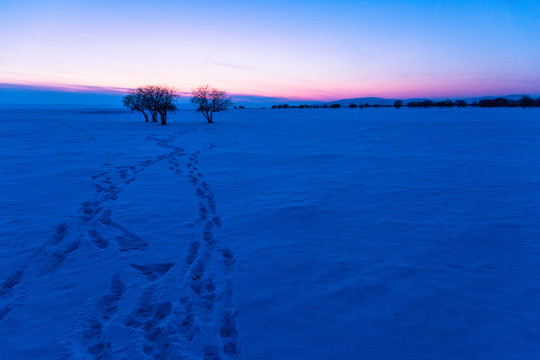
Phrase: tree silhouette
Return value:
(137, 101)
(500, 102)
(398, 104)
(461, 103)
(156, 99)
(526, 101)
(162, 99)
(209, 101)
(427, 103)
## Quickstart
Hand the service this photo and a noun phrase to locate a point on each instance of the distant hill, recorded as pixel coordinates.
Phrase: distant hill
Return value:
(383, 101)
(369, 100)
(509, 97)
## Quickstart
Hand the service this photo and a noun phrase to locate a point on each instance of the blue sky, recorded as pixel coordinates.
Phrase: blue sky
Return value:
(299, 49)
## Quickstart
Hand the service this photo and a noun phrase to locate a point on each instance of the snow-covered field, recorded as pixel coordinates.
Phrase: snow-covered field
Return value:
(297, 234)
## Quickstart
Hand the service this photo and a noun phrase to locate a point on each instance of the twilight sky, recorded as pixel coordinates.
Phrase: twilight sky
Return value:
(318, 50)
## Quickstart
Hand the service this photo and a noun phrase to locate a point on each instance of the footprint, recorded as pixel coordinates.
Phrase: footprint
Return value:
(144, 309)
(57, 258)
(228, 260)
(108, 304)
(195, 277)
(229, 333)
(90, 209)
(12, 280)
(6, 310)
(192, 253)
(153, 271)
(98, 240)
(130, 241)
(211, 353)
(93, 337)
(59, 234)
(208, 234)
(99, 175)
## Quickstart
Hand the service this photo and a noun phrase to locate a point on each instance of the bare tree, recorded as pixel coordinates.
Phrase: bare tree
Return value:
(137, 101)
(210, 100)
(161, 100)
(150, 101)
(156, 99)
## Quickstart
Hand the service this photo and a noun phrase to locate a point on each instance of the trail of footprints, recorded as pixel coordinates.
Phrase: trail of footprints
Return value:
(67, 237)
(203, 319)
(185, 308)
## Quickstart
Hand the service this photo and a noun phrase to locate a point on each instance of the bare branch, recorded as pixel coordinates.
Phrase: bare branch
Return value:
(209, 101)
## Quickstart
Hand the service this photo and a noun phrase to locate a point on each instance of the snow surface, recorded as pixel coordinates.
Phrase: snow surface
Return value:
(271, 234)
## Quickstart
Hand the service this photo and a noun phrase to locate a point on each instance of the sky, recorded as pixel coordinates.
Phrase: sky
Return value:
(318, 50)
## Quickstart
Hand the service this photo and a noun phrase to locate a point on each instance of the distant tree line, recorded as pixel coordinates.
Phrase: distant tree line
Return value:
(316, 106)
(154, 100)
(328, 106)
(440, 104)
(525, 102)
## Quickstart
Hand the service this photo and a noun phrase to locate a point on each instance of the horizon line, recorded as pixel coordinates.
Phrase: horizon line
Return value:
(119, 91)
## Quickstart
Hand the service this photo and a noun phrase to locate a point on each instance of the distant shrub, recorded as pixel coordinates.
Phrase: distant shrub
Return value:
(526, 101)
(398, 104)
(353, 106)
(486, 103)
(427, 104)
(335, 106)
(500, 102)
(461, 103)
(445, 103)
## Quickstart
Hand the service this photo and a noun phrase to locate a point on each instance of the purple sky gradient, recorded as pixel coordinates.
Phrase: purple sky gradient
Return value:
(320, 50)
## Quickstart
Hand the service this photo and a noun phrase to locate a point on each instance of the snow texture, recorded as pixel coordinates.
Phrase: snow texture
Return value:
(297, 234)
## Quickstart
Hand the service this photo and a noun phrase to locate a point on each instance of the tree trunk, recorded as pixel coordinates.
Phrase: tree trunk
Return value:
(145, 116)
(163, 118)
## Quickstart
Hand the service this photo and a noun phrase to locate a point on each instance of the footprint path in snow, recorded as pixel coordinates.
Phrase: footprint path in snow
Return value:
(191, 310)
(67, 237)
(202, 281)
(91, 334)
(181, 310)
